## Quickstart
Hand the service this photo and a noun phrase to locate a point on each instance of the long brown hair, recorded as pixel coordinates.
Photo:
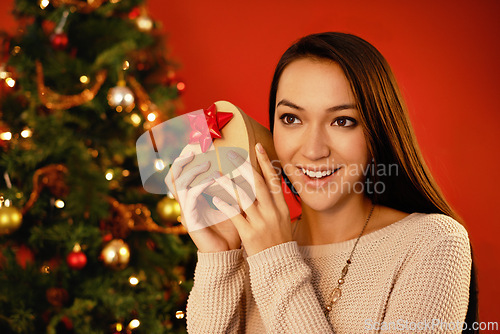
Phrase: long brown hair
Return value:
(388, 131)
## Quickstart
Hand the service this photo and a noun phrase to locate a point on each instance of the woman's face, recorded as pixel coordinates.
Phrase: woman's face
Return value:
(317, 134)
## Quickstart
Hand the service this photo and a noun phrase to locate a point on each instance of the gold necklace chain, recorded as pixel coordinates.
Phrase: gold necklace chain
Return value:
(337, 292)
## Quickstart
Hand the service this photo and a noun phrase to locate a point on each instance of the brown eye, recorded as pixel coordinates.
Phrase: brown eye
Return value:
(288, 119)
(345, 122)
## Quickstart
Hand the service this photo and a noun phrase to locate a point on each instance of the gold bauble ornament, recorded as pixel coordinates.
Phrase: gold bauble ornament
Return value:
(10, 219)
(116, 254)
(121, 98)
(169, 210)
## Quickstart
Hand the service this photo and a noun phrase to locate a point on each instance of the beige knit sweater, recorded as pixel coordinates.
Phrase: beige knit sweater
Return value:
(409, 277)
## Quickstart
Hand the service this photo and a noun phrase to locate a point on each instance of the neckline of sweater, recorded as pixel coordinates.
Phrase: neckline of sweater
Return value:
(327, 249)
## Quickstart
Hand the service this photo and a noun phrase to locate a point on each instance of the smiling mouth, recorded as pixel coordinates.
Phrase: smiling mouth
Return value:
(319, 174)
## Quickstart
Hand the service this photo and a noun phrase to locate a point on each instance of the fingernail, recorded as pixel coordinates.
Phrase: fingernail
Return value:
(260, 148)
(232, 154)
(216, 200)
(216, 174)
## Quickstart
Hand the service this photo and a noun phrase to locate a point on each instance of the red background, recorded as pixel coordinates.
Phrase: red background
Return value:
(445, 55)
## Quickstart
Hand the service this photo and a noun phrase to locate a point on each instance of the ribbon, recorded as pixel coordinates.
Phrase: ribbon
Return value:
(212, 121)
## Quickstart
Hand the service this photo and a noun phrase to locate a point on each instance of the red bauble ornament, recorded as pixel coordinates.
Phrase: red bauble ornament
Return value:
(59, 41)
(24, 256)
(76, 259)
(134, 13)
(67, 322)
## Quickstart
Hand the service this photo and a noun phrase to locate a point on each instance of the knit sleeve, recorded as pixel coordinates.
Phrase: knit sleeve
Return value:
(282, 289)
(214, 302)
(432, 292)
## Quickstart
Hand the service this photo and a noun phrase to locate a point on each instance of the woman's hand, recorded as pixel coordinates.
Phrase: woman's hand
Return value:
(209, 229)
(264, 222)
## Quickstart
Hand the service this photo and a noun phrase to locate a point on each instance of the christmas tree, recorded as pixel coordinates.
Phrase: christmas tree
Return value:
(83, 247)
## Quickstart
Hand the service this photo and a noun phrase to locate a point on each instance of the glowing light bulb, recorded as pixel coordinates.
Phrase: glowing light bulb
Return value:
(44, 4)
(159, 164)
(59, 204)
(179, 315)
(125, 172)
(119, 327)
(6, 135)
(151, 117)
(10, 82)
(144, 23)
(126, 65)
(84, 79)
(133, 280)
(109, 175)
(134, 324)
(26, 133)
(136, 119)
(181, 86)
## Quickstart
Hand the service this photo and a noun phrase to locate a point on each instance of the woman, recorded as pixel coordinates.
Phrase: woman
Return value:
(376, 249)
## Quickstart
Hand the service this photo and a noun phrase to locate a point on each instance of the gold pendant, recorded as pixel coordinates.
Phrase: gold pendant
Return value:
(336, 293)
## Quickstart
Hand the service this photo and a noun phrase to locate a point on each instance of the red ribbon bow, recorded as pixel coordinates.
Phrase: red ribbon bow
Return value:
(212, 121)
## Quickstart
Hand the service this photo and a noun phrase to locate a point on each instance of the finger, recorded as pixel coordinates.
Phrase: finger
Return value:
(199, 189)
(188, 176)
(237, 193)
(180, 162)
(273, 179)
(253, 178)
(176, 169)
(233, 214)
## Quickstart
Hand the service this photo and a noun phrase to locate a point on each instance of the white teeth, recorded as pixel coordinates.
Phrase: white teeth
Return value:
(317, 174)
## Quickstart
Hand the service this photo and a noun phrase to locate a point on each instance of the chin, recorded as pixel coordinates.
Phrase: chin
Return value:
(320, 201)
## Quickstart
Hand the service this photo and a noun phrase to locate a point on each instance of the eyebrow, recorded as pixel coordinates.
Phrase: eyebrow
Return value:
(292, 105)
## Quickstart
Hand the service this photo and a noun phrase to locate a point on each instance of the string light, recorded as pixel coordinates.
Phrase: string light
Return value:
(84, 79)
(26, 133)
(44, 4)
(10, 82)
(151, 117)
(144, 23)
(134, 324)
(119, 327)
(6, 135)
(126, 65)
(181, 86)
(109, 175)
(159, 164)
(59, 204)
(179, 314)
(136, 119)
(133, 280)
(125, 172)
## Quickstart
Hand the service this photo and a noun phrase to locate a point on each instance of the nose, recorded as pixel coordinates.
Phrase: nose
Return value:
(315, 144)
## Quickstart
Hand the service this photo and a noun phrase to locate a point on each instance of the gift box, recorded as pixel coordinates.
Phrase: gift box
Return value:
(209, 134)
